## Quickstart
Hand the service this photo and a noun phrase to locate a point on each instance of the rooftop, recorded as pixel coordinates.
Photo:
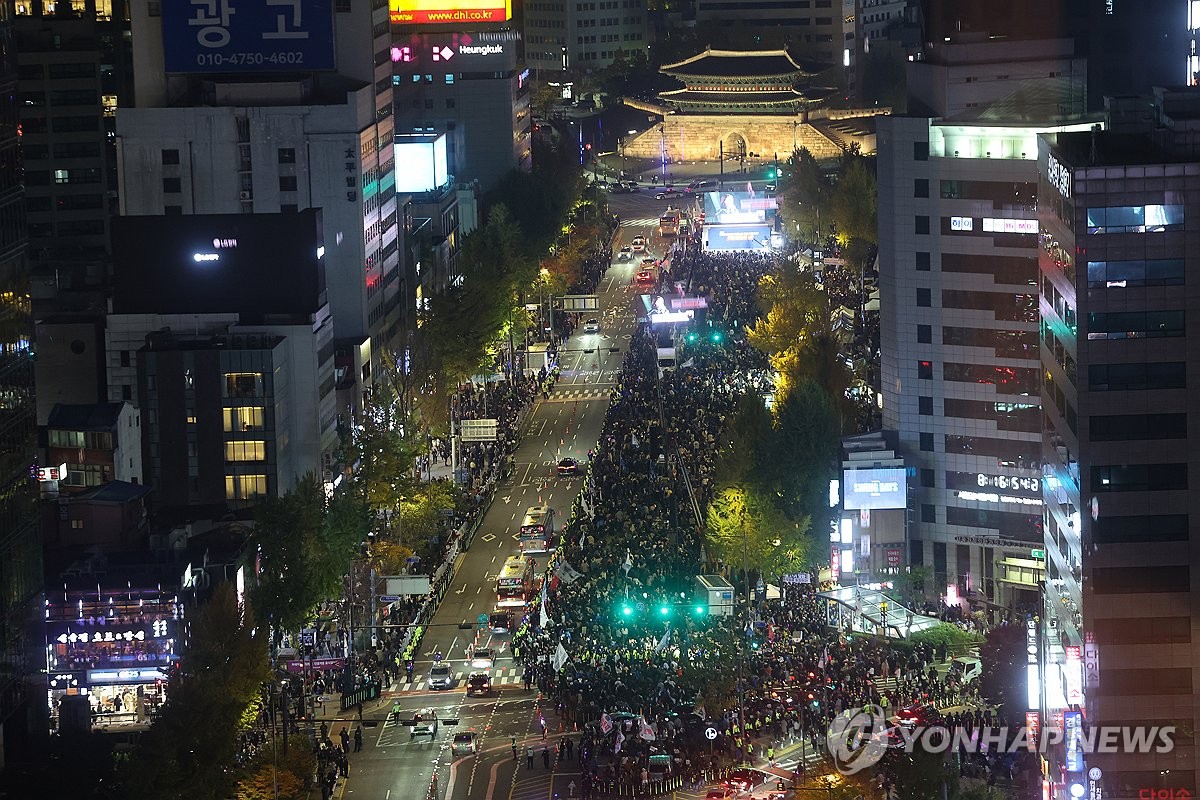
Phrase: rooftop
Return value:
(738, 64)
(84, 417)
(114, 492)
(1105, 148)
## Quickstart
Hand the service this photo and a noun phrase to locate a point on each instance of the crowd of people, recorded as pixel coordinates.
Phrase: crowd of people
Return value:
(642, 676)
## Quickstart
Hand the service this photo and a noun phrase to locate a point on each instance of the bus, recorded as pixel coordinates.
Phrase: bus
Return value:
(537, 530)
(668, 223)
(515, 585)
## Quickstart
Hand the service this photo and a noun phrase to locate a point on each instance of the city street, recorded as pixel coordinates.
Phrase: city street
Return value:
(392, 763)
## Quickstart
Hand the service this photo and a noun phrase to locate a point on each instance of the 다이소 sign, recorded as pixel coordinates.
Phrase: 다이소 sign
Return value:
(247, 36)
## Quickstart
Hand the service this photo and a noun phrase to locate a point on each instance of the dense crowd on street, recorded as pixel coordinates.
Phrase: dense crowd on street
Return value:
(633, 547)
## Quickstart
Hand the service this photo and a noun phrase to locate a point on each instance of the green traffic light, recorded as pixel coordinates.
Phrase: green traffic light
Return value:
(754, 645)
(627, 611)
(716, 337)
(699, 610)
(664, 611)
(692, 337)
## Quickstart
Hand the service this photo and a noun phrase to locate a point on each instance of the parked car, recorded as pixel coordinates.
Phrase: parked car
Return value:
(463, 744)
(440, 677)
(483, 658)
(480, 683)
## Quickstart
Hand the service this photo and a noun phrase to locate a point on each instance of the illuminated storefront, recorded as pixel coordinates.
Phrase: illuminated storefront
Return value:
(116, 649)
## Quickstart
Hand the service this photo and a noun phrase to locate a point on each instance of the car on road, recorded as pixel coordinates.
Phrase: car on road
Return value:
(918, 715)
(480, 683)
(639, 244)
(483, 658)
(440, 677)
(425, 723)
(622, 188)
(625, 253)
(591, 326)
(744, 780)
(720, 793)
(699, 186)
(668, 194)
(644, 276)
(568, 466)
(463, 744)
(500, 622)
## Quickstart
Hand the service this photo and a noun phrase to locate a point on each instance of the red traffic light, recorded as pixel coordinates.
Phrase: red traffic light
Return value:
(587, 146)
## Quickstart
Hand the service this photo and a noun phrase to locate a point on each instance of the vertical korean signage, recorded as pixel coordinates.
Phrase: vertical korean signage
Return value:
(1032, 671)
(1073, 675)
(247, 36)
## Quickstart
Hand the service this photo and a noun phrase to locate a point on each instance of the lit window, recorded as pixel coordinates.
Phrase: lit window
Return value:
(243, 384)
(244, 487)
(245, 451)
(246, 418)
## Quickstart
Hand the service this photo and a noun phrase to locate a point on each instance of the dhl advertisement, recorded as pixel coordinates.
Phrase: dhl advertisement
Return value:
(433, 12)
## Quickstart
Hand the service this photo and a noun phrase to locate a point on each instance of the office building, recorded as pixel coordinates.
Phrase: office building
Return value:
(474, 89)
(94, 444)
(221, 335)
(1119, 218)
(591, 35)
(73, 67)
(272, 139)
(958, 316)
(20, 540)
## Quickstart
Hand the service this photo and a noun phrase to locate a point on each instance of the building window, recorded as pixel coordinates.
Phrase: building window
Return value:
(1134, 427)
(924, 298)
(245, 487)
(922, 261)
(246, 451)
(926, 442)
(924, 334)
(1134, 219)
(928, 479)
(288, 208)
(449, 102)
(170, 157)
(1135, 325)
(172, 185)
(921, 225)
(920, 187)
(243, 384)
(287, 155)
(173, 211)
(1126, 377)
(920, 151)
(243, 418)
(1139, 477)
(925, 406)
(925, 370)
(287, 183)
(449, 78)
(928, 512)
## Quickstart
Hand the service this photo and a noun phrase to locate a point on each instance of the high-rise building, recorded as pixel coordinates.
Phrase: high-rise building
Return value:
(958, 311)
(20, 539)
(820, 30)
(275, 110)
(566, 35)
(1119, 225)
(73, 68)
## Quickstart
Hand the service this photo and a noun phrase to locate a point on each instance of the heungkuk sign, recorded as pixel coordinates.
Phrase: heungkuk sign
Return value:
(425, 53)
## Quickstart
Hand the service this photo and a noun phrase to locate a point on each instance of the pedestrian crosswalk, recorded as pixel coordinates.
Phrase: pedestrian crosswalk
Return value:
(640, 222)
(505, 676)
(886, 684)
(560, 395)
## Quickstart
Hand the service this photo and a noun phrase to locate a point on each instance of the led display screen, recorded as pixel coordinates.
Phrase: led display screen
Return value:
(738, 208)
(876, 488)
(737, 237)
(252, 264)
(439, 12)
(423, 157)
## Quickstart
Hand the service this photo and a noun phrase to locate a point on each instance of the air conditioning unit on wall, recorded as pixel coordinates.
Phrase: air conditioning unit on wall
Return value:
(245, 195)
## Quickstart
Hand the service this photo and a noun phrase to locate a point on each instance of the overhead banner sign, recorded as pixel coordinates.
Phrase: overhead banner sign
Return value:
(479, 430)
(436, 12)
(247, 36)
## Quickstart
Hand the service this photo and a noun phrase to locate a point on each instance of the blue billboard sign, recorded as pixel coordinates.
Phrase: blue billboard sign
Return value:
(1073, 734)
(246, 36)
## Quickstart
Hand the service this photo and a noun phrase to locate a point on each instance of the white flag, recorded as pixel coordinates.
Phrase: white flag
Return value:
(620, 740)
(566, 573)
(691, 362)
(644, 730)
(606, 723)
(664, 641)
(560, 657)
(634, 440)
(628, 565)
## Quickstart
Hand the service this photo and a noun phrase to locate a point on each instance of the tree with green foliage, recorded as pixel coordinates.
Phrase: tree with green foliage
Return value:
(793, 310)
(189, 752)
(304, 543)
(1003, 680)
(744, 522)
(803, 454)
(853, 207)
(803, 195)
(920, 775)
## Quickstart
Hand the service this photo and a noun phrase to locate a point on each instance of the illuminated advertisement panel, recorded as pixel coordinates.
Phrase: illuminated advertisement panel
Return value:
(479, 51)
(424, 157)
(738, 207)
(737, 237)
(875, 488)
(434, 12)
(245, 37)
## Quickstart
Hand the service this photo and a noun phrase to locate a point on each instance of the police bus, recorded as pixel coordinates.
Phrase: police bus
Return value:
(515, 584)
(537, 530)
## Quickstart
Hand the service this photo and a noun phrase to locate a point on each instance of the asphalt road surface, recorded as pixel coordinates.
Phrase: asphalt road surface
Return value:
(395, 765)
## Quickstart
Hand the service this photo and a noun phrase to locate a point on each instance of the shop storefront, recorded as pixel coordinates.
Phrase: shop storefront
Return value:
(114, 650)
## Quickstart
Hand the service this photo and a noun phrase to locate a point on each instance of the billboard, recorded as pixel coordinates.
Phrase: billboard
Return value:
(246, 36)
(487, 51)
(737, 237)
(423, 156)
(218, 263)
(438, 12)
(877, 488)
(725, 208)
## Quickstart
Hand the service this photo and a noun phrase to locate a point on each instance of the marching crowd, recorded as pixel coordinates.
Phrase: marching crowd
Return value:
(615, 647)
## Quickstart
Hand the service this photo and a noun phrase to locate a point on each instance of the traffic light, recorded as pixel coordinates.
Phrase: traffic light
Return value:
(699, 610)
(715, 337)
(771, 174)
(587, 146)
(692, 337)
(664, 610)
(626, 610)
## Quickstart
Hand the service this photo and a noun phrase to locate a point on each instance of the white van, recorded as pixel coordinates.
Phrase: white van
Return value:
(964, 669)
(666, 360)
